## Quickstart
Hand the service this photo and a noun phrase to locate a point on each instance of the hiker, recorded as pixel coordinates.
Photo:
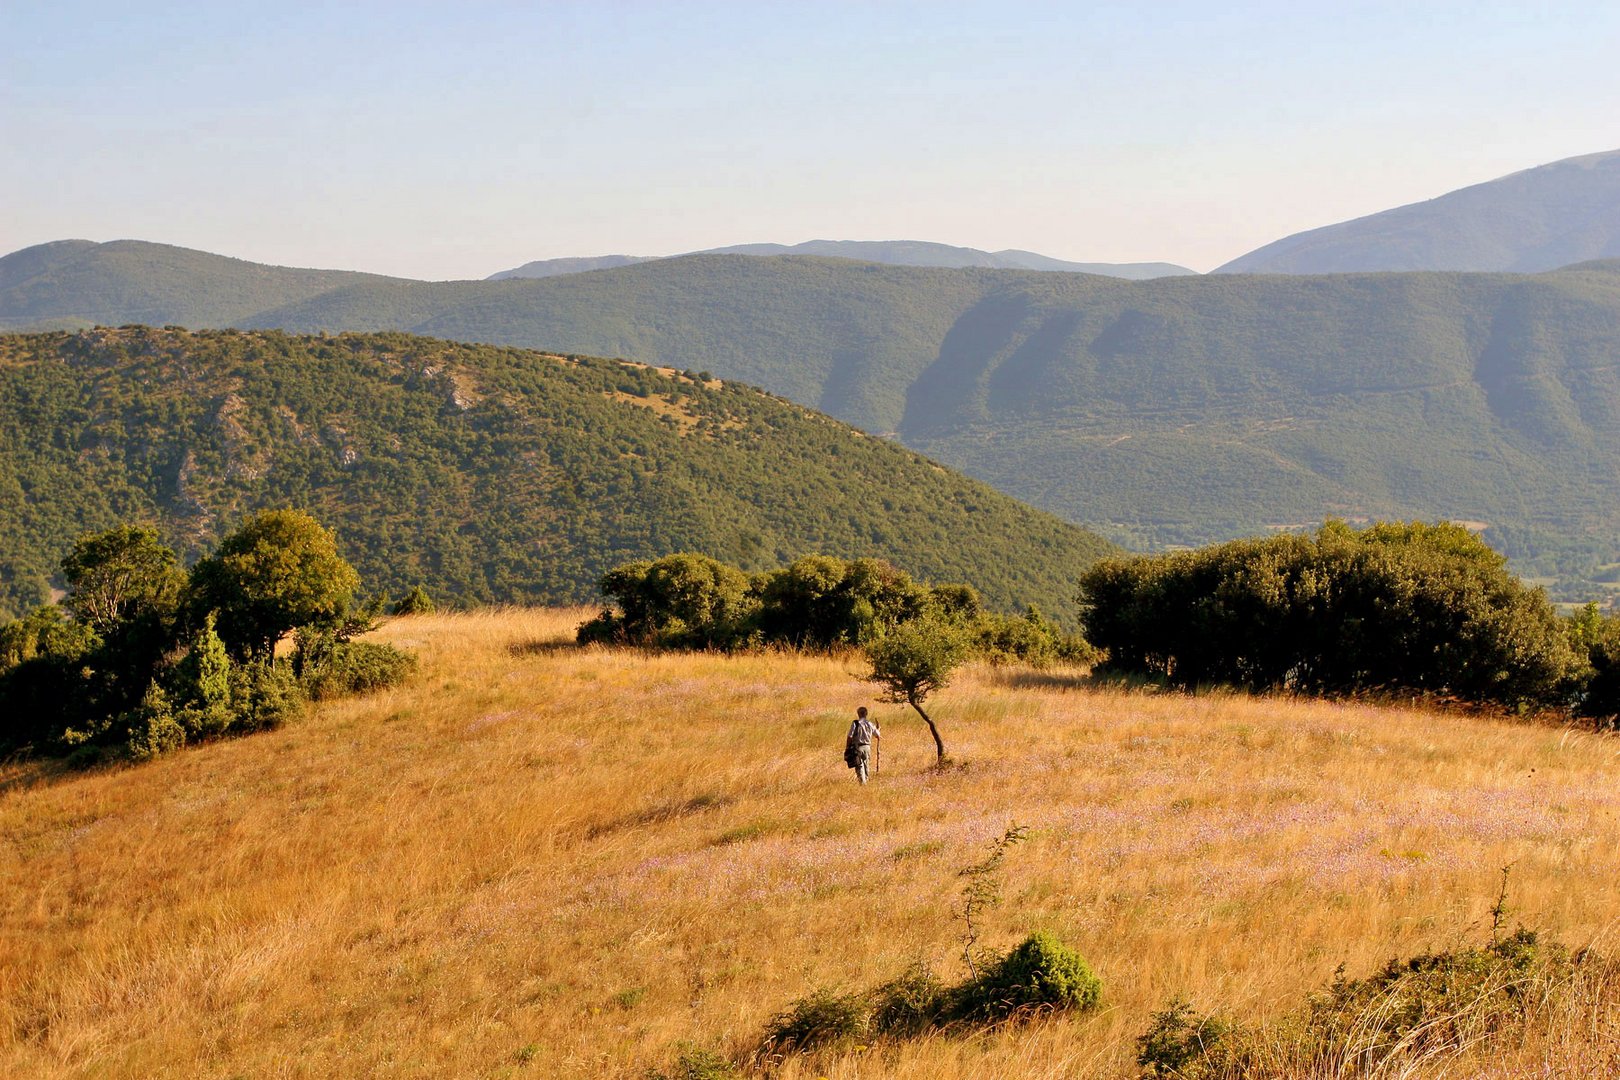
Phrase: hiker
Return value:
(858, 744)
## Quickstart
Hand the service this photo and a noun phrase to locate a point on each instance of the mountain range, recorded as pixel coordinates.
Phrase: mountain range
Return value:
(891, 252)
(1539, 219)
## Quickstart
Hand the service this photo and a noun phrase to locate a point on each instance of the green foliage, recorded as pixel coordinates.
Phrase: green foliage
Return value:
(153, 727)
(818, 602)
(1030, 639)
(483, 474)
(822, 1020)
(1040, 974)
(1179, 1042)
(113, 575)
(1427, 1006)
(1406, 606)
(202, 684)
(145, 684)
(1595, 638)
(680, 601)
(356, 667)
(266, 696)
(415, 602)
(44, 632)
(916, 658)
(696, 1063)
(279, 571)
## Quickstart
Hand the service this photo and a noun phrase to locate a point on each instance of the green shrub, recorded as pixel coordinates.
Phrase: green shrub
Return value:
(1030, 639)
(265, 696)
(824, 1019)
(415, 602)
(1179, 1042)
(1041, 973)
(910, 1004)
(1427, 1006)
(696, 1063)
(356, 667)
(202, 685)
(153, 727)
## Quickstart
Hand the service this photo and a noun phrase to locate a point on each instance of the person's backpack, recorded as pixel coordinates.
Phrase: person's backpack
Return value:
(851, 748)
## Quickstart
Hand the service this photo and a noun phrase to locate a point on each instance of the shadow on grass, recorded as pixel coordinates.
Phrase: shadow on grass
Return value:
(544, 648)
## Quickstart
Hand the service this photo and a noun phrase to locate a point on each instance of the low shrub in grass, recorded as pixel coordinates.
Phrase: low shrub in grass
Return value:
(1434, 1005)
(910, 1004)
(822, 1020)
(265, 696)
(1179, 1042)
(1042, 973)
(357, 667)
(696, 1063)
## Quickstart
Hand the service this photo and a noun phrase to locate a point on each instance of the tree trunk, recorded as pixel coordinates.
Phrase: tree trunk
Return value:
(939, 745)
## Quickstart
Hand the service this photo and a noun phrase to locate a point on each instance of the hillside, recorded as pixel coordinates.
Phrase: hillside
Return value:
(490, 475)
(1538, 219)
(536, 861)
(1177, 410)
(891, 252)
(76, 283)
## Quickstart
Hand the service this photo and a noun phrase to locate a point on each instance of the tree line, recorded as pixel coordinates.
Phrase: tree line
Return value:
(1397, 607)
(141, 656)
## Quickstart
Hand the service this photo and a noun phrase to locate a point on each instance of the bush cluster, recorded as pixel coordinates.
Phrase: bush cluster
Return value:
(687, 601)
(142, 657)
(1432, 1004)
(1040, 975)
(1399, 606)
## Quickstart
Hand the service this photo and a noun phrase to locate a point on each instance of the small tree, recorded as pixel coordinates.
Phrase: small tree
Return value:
(913, 660)
(279, 571)
(114, 576)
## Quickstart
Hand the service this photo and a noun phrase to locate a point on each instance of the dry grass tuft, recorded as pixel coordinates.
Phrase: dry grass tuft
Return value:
(537, 860)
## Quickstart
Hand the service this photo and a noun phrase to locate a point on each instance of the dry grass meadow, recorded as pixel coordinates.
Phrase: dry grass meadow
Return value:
(541, 861)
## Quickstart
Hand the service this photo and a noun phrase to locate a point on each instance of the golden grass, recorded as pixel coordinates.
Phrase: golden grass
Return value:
(542, 861)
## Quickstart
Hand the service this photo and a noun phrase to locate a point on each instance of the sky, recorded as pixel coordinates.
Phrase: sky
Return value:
(439, 140)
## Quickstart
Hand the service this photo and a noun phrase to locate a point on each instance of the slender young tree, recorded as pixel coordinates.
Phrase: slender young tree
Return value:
(915, 659)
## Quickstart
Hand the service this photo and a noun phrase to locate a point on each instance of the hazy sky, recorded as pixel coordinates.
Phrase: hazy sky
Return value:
(456, 139)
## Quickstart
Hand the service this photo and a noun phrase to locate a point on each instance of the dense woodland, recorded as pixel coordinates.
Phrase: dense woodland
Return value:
(489, 475)
(143, 657)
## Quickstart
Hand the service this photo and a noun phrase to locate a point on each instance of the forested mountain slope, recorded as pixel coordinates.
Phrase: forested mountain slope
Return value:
(1537, 219)
(487, 474)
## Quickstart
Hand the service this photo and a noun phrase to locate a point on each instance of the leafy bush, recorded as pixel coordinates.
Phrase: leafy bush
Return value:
(1406, 606)
(910, 1004)
(152, 726)
(1041, 973)
(696, 1063)
(1178, 1042)
(1030, 639)
(1432, 1004)
(824, 1019)
(265, 696)
(356, 667)
(415, 602)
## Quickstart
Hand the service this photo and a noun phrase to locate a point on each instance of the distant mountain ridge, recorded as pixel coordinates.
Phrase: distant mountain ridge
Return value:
(1538, 219)
(890, 252)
